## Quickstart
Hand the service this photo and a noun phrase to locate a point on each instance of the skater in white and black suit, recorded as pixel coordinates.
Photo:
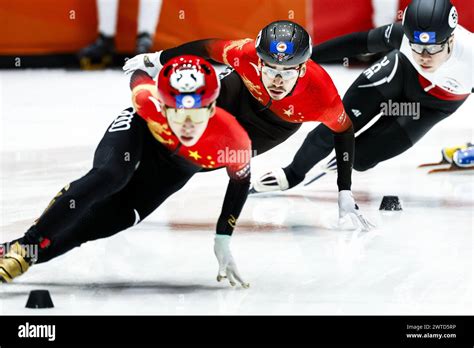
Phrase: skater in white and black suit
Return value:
(427, 72)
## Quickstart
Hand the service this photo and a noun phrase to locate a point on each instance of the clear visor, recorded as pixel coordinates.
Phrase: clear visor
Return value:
(285, 74)
(198, 115)
(430, 49)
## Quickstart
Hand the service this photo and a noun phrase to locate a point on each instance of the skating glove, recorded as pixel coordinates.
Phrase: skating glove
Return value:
(148, 62)
(227, 266)
(348, 207)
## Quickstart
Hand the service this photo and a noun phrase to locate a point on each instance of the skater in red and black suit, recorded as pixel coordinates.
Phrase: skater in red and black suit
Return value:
(144, 157)
(272, 87)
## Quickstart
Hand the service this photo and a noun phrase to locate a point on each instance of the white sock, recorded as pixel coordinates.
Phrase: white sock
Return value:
(108, 12)
(148, 16)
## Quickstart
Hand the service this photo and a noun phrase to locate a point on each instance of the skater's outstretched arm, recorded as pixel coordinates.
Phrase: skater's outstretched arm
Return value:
(207, 48)
(334, 117)
(221, 51)
(152, 62)
(238, 168)
(344, 146)
(382, 39)
(235, 197)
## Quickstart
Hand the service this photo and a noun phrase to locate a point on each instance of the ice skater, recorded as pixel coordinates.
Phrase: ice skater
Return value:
(144, 157)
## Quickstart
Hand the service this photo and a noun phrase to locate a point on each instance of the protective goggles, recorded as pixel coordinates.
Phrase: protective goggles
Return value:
(285, 74)
(198, 115)
(430, 49)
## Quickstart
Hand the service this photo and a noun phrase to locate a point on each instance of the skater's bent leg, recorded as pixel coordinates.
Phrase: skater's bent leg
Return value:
(317, 146)
(390, 136)
(100, 221)
(151, 185)
(384, 140)
(417, 127)
(320, 142)
(115, 160)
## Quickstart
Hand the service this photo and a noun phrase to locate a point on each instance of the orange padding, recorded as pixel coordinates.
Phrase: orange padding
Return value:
(52, 26)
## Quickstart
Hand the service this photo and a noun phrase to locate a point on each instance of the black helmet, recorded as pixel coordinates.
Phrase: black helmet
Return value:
(429, 21)
(284, 43)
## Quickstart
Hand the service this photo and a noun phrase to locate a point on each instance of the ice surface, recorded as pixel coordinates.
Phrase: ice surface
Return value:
(419, 261)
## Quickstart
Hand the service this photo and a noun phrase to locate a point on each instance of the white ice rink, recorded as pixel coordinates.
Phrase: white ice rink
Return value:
(419, 261)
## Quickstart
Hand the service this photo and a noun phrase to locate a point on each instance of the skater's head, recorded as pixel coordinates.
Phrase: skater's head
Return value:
(429, 26)
(284, 48)
(188, 88)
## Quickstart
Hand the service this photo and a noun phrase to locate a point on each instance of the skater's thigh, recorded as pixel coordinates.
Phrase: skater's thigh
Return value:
(145, 192)
(416, 127)
(122, 143)
(385, 139)
(154, 182)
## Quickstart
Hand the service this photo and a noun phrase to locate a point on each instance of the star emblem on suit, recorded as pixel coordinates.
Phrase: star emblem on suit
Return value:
(195, 155)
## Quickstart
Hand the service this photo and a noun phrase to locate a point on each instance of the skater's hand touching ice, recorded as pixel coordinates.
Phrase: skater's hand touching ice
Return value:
(227, 266)
(148, 62)
(349, 208)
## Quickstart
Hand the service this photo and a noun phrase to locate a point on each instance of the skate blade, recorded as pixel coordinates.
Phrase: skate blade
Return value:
(252, 191)
(424, 165)
(451, 169)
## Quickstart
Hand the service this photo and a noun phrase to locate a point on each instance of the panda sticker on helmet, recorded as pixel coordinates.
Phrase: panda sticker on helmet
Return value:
(187, 80)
